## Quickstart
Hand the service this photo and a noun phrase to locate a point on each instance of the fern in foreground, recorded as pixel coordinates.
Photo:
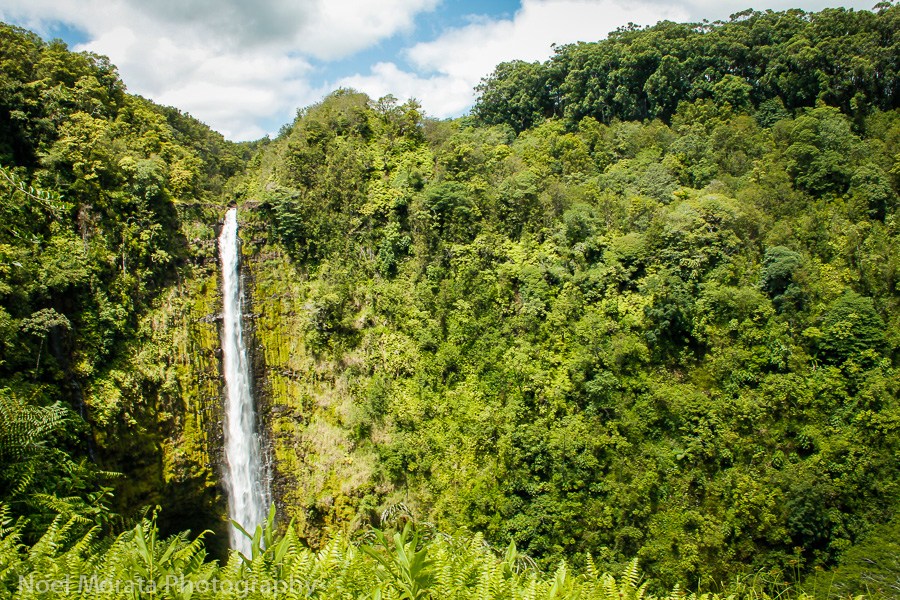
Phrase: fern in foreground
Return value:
(409, 564)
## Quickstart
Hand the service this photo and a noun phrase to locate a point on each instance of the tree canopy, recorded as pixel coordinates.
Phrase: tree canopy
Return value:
(792, 59)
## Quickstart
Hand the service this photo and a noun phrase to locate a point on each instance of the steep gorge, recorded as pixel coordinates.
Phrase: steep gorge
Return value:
(675, 341)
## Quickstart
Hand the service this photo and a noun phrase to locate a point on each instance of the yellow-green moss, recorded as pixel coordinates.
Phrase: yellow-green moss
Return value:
(320, 474)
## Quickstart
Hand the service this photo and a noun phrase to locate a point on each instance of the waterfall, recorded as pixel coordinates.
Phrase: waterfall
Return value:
(245, 479)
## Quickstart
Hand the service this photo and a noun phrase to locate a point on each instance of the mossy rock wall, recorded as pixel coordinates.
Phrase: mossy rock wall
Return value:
(157, 411)
(322, 477)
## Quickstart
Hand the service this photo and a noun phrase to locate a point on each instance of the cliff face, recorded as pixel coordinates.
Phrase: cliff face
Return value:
(170, 448)
(321, 476)
(108, 290)
(167, 441)
(346, 170)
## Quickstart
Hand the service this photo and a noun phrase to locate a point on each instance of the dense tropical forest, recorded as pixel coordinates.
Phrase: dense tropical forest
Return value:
(638, 314)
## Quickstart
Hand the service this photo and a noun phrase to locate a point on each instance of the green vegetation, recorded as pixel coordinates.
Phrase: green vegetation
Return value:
(413, 563)
(107, 205)
(600, 321)
(774, 62)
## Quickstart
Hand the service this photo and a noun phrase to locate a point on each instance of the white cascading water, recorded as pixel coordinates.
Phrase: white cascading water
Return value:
(245, 479)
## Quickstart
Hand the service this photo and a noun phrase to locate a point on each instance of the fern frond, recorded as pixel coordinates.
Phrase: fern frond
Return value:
(631, 576)
(590, 568)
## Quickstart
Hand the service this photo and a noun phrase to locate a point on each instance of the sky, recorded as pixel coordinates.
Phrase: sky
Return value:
(245, 67)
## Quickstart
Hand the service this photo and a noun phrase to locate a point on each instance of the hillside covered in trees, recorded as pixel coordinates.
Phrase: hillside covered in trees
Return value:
(640, 305)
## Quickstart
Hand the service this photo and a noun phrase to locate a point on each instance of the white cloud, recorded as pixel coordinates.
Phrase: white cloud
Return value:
(443, 95)
(478, 47)
(343, 27)
(229, 88)
(446, 70)
(326, 29)
(236, 64)
(454, 63)
(231, 63)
